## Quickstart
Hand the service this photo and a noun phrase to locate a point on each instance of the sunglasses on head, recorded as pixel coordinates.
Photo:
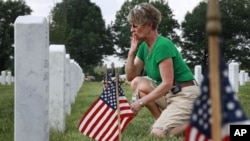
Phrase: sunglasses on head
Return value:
(134, 26)
(138, 6)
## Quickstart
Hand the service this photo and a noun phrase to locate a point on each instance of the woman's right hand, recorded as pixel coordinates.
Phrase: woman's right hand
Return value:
(133, 45)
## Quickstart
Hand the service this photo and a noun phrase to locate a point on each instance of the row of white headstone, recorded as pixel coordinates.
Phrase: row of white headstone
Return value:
(46, 81)
(65, 79)
(236, 78)
(6, 78)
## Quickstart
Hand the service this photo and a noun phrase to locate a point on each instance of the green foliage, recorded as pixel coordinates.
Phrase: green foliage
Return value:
(9, 11)
(168, 24)
(235, 18)
(194, 36)
(80, 27)
(235, 40)
(121, 27)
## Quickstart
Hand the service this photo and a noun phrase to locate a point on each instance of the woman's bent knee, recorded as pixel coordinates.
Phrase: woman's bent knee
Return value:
(135, 82)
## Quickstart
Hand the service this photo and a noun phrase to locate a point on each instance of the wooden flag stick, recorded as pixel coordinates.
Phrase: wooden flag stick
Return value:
(106, 72)
(213, 29)
(105, 81)
(118, 104)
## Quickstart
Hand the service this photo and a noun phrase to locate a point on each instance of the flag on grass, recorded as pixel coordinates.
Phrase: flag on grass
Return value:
(231, 111)
(100, 122)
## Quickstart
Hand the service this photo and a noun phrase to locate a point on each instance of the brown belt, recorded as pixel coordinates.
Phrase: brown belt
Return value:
(187, 83)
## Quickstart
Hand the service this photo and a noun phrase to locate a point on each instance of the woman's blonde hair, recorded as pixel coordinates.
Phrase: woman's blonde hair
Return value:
(144, 13)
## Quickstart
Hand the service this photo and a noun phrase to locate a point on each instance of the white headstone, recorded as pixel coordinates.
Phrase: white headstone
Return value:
(57, 89)
(72, 80)
(198, 74)
(31, 121)
(242, 77)
(67, 85)
(8, 78)
(246, 77)
(233, 76)
(3, 77)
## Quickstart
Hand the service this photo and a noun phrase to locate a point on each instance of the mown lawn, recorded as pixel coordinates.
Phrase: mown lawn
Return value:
(137, 130)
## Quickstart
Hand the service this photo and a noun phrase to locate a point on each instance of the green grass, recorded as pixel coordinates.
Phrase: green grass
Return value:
(244, 97)
(7, 112)
(138, 128)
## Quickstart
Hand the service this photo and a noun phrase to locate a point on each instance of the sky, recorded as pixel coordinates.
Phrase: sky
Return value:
(109, 8)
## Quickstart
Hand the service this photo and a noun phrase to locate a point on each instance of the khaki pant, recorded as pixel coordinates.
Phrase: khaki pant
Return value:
(177, 108)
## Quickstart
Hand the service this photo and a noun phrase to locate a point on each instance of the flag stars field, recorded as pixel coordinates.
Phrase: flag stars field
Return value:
(239, 113)
(228, 89)
(230, 105)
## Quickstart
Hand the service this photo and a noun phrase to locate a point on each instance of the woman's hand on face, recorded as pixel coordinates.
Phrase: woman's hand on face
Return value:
(133, 44)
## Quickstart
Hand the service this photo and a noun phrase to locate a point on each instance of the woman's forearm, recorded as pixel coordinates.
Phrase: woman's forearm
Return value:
(130, 68)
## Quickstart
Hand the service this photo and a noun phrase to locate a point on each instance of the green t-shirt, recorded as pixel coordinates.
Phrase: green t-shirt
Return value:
(163, 49)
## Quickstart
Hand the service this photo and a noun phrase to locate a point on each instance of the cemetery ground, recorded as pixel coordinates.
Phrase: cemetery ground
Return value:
(137, 129)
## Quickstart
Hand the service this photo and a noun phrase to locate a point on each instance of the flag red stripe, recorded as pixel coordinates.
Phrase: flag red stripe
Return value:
(187, 133)
(114, 133)
(125, 123)
(125, 109)
(87, 112)
(102, 125)
(123, 100)
(110, 128)
(100, 116)
(86, 122)
(197, 136)
(106, 127)
(226, 138)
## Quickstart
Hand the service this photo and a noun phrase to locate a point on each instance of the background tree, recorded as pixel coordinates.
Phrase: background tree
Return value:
(78, 24)
(194, 43)
(168, 25)
(236, 31)
(9, 11)
(235, 19)
(121, 27)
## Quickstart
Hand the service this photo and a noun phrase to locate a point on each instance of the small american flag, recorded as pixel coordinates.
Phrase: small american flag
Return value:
(100, 122)
(232, 113)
